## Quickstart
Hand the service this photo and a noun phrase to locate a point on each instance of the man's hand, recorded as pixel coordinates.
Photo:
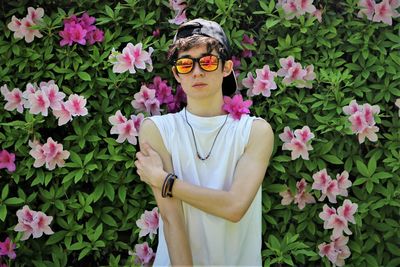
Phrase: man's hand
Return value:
(150, 167)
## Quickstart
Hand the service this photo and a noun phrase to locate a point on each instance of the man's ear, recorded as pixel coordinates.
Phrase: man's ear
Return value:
(228, 67)
(176, 75)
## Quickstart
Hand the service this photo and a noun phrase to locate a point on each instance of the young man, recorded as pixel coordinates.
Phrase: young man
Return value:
(211, 213)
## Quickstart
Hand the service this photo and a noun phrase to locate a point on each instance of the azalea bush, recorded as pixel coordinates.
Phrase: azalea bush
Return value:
(78, 78)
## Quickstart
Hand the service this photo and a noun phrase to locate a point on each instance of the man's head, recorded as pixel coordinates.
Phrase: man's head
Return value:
(210, 36)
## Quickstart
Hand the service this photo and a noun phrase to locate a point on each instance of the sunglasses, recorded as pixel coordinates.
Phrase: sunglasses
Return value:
(185, 65)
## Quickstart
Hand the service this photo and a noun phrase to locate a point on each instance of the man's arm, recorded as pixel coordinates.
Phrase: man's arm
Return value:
(170, 208)
(248, 177)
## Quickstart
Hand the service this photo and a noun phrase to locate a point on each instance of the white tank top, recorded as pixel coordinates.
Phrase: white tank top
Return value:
(213, 240)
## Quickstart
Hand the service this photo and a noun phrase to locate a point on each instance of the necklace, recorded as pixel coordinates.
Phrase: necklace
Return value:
(194, 138)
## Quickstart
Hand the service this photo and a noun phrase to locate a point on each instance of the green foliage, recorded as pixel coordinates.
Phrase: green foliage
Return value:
(97, 197)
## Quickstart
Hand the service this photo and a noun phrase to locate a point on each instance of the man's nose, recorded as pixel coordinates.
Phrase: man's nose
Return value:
(197, 71)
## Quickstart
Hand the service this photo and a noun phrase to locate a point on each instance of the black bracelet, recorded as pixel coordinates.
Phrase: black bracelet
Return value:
(170, 184)
(164, 187)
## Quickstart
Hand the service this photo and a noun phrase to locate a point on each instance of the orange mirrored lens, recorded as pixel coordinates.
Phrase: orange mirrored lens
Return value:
(184, 65)
(209, 63)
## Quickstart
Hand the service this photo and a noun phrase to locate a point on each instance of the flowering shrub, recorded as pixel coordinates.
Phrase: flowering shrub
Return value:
(322, 73)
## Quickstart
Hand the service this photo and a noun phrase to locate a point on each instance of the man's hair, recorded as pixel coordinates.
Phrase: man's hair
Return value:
(185, 44)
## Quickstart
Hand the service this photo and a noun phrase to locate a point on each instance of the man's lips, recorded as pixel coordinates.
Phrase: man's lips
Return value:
(199, 84)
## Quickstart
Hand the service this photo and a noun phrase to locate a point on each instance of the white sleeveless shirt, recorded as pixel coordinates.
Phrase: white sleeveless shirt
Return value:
(213, 240)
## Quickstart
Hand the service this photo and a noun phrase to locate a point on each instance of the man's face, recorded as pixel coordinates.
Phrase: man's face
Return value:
(198, 82)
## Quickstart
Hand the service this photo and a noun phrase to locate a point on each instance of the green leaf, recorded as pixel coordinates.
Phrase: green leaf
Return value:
(4, 192)
(372, 166)
(78, 246)
(3, 212)
(56, 237)
(274, 242)
(84, 252)
(84, 76)
(107, 219)
(122, 193)
(14, 201)
(362, 168)
(332, 159)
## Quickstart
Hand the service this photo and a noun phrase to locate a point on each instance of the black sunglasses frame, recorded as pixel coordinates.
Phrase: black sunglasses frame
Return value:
(197, 60)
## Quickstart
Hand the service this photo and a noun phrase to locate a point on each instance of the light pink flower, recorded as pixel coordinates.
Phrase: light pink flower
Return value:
(35, 15)
(76, 105)
(298, 148)
(368, 112)
(264, 82)
(328, 250)
(115, 120)
(137, 120)
(326, 214)
(38, 103)
(7, 248)
(339, 225)
(41, 224)
(248, 82)
(148, 223)
(236, 107)
(25, 222)
(149, 62)
(370, 133)
(367, 8)
(37, 153)
(287, 135)
(305, 6)
(352, 108)
(180, 18)
(331, 190)
(347, 210)
(310, 76)
(63, 114)
(383, 12)
(358, 122)
(126, 131)
(343, 183)
(55, 97)
(302, 197)
(55, 155)
(144, 254)
(321, 180)
(13, 98)
(30, 89)
(43, 83)
(286, 64)
(294, 73)
(179, 6)
(287, 197)
(27, 31)
(132, 57)
(304, 134)
(318, 14)
(7, 160)
(343, 251)
(15, 26)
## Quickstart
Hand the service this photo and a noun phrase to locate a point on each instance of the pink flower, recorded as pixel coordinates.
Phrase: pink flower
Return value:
(343, 251)
(298, 148)
(304, 134)
(163, 91)
(144, 254)
(179, 6)
(145, 100)
(76, 105)
(304, 6)
(370, 133)
(358, 123)
(328, 250)
(248, 82)
(347, 210)
(368, 112)
(326, 214)
(55, 97)
(148, 223)
(179, 100)
(13, 98)
(38, 103)
(287, 135)
(264, 82)
(383, 12)
(352, 108)
(30, 89)
(86, 22)
(236, 107)
(286, 64)
(297, 142)
(37, 153)
(131, 57)
(287, 197)
(156, 33)
(318, 14)
(338, 224)
(343, 183)
(55, 155)
(33, 223)
(116, 120)
(15, 26)
(296, 8)
(247, 41)
(7, 248)
(7, 160)
(321, 180)
(35, 15)
(137, 120)
(77, 33)
(63, 114)
(126, 131)
(367, 8)
(397, 103)
(27, 31)
(94, 36)
(294, 73)
(306, 81)
(331, 190)
(302, 197)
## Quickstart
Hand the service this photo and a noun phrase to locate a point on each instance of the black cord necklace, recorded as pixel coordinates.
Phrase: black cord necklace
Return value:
(194, 138)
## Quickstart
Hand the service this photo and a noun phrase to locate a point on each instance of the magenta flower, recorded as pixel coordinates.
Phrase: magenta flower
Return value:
(13, 98)
(7, 160)
(247, 41)
(163, 91)
(7, 248)
(80, 30)
(236, 107)
(145, 100)
(156, 33)
(179, 100)
(144, 254)
(63, 114)
(137, 120)
(33, 223)
(148, 223)
(132, 57)
(76, 105)
(94, 36)
(55, 97)
(38, 103)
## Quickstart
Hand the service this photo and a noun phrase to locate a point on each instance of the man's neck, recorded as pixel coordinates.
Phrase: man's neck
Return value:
(206, 107)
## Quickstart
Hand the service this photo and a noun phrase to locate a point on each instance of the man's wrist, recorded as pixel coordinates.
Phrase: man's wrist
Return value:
(160, 179)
